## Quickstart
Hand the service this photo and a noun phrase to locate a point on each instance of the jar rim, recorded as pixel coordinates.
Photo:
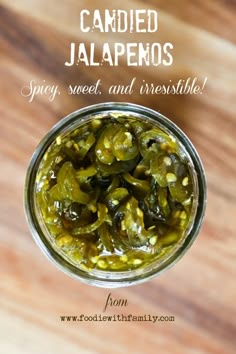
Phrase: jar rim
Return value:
(110, 278)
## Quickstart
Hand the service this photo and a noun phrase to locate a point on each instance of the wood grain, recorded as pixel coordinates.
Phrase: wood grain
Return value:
(200, 290)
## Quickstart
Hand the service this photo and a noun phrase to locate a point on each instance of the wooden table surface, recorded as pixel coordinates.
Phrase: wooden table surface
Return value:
(200, 290)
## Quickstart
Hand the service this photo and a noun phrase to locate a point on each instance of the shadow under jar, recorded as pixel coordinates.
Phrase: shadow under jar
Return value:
(115, 194)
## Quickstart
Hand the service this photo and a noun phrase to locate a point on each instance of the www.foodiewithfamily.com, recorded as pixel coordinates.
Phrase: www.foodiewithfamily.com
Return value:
(117, 317)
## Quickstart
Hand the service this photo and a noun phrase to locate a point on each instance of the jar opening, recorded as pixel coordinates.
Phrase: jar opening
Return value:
(115, 194)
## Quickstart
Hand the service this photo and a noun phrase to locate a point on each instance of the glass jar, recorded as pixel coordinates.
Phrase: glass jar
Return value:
(107, 278)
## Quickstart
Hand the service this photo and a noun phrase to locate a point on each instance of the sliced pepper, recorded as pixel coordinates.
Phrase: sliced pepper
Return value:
(67, 185)
(101, 216)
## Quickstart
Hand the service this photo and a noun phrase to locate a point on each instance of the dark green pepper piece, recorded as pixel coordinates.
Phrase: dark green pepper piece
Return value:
(155, 139)
(141, 186)
(101, 215)
(68, 187)
(124, 146)
(132, 225)
(114, 198)
(103, 149)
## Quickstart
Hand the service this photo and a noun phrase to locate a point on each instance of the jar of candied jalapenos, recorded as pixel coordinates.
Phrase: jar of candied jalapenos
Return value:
(115, 194)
